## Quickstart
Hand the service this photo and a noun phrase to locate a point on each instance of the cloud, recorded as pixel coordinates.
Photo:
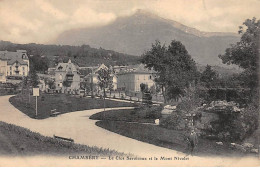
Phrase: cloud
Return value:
(42, 20)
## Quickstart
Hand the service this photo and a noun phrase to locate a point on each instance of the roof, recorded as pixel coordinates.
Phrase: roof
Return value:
(85, 71)
(69, 66)
(18, 60)
(102, 66)
(19, 56)
(8, 55)
(137, 69)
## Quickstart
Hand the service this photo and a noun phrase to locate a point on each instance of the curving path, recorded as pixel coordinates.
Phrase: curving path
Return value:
(78, 126)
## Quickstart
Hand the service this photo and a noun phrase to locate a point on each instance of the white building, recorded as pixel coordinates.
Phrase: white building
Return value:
(13, 65)
(130, 79)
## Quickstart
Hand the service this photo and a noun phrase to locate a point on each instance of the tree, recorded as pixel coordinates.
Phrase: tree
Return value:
(208, 77)
(66, 84)
(50, 83)
(245, 52)
(40, 64)
(33, 77)
(85, 86)
(174, 66)
(105, 80)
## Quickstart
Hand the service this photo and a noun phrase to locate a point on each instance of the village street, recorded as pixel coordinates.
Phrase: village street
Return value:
(78, 126)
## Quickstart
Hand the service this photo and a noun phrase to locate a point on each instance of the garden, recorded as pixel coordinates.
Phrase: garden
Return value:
(62, 103)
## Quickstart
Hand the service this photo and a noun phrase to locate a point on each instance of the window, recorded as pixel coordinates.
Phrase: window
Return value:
(144, 77)
(23, 68)
(23, 73)
(150, 77)
(10, 68)
(10, 73)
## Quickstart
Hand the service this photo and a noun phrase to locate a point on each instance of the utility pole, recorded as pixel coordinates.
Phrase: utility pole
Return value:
(91, 84)
(36, 109)
(36, 93)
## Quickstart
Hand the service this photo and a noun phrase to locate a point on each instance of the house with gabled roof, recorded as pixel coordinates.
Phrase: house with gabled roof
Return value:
(13, 65)
(67, 77)
(92, 77)
(131, 78)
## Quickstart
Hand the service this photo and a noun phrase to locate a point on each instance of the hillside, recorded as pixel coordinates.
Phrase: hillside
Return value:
(135, 34)
(83, 55)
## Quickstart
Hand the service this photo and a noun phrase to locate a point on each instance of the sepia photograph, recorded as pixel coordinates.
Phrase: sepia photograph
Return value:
(129, 83)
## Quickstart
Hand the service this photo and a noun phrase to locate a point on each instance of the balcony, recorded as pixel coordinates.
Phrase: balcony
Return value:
(69, 76)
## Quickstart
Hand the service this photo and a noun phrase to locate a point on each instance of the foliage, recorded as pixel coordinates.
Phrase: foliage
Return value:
(190, 101)
(33, 77)
(244, 52)
(85, 86)
(174, 66)
(143, 87)
(40, 63)
(50, 83)
(66, 83)
(209, 77)
(188, 106)
(151, 112)
(173, 121)
(105, 79)
(83, 55)
(236, 126)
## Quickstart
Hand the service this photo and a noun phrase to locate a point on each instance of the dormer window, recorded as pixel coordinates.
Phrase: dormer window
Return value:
(60, 67)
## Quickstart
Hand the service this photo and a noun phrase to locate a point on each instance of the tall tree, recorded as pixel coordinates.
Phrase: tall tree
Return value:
(209, 77)
(245, 52)
(105, 81)
(174, 66)
(33, 77)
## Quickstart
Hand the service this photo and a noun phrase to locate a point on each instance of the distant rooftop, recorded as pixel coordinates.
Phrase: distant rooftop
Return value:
(12, 57)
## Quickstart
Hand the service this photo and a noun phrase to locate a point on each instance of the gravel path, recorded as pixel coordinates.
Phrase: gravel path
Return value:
(78, 126)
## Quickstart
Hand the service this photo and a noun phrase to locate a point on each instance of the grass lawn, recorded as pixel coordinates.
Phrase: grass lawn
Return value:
(18, 141)
(121, 115)
(171, 139)
(61, 102)
(127, 123)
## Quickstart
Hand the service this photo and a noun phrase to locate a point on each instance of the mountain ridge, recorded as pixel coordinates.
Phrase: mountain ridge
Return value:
(183, 27)
(135, 34)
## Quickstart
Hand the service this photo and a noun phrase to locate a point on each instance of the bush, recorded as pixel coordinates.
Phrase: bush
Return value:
(152, 112)
(245, 124)
(173, 121)
(235, 126)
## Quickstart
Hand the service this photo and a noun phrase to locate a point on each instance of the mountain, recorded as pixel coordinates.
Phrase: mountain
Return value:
(135, 34)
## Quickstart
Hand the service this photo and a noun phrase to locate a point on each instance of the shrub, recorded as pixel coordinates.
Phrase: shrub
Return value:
(244, 124)
(235, 126)
(173, 121)
(151, 112)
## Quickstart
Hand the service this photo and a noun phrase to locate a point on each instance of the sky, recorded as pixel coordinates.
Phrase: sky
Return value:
(41, 21)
